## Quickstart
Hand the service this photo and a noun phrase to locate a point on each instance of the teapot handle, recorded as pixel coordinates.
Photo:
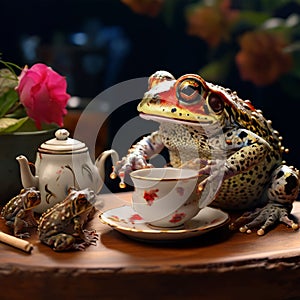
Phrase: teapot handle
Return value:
(100, 161)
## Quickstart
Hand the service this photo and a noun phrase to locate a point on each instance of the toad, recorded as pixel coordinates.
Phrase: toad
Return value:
(61, 226)
(210, 128)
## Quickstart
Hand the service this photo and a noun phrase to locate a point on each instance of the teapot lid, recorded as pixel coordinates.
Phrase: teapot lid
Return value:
(62, 144)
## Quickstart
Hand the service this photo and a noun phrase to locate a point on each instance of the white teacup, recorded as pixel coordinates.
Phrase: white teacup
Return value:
(166, 197)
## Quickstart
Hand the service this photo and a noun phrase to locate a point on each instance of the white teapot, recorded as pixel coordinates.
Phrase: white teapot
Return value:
(62, 163)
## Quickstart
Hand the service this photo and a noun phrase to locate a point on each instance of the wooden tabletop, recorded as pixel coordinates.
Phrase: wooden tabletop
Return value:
(220, 263)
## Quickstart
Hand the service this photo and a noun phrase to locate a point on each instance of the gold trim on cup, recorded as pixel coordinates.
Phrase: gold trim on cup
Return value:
(162, 178)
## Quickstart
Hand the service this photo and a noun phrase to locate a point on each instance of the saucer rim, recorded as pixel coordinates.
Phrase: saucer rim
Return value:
(150, 231)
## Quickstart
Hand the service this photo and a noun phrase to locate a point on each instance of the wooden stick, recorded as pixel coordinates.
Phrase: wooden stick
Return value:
(15, 242)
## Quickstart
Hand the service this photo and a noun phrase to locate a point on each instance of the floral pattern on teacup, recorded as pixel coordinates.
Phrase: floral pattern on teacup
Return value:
(177, 217)
(150, 196)
(180, 190)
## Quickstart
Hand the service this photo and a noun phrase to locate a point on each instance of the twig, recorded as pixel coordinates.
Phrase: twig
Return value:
(15, 242)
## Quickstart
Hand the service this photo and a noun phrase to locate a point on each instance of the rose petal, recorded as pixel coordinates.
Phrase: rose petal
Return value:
(42, 91)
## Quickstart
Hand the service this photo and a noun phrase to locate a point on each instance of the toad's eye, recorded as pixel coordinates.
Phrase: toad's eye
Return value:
(188, 91)
(216, 103)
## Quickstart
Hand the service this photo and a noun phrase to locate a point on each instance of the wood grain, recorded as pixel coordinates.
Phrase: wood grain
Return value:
(220, 264)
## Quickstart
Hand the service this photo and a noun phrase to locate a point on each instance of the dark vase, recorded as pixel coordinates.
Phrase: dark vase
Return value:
(11, 146)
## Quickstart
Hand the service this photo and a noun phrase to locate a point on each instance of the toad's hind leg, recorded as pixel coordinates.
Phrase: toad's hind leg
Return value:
(282, 192)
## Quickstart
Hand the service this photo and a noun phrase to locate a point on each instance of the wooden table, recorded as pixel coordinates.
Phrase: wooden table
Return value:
(216, 265)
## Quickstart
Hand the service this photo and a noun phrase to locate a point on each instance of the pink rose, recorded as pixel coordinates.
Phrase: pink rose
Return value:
(42, 91)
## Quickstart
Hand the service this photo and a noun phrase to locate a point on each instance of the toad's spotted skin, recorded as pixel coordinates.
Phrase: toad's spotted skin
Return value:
(18, 212)
(61, 226)
(209, 127)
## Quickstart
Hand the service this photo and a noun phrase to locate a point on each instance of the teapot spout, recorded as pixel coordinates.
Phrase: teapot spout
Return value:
(100, 162)
(28, 180)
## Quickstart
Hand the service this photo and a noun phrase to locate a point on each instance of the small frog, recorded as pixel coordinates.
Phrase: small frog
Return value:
(61, 226)
(208, 127)
(18, 211)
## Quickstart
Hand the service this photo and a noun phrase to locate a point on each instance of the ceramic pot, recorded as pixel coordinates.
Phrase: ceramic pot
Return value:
(11, 146)
(63, 163)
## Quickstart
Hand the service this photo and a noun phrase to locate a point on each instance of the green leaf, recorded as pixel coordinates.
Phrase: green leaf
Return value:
(8, 125)
(268, 5)
(7, 101)
(18, 112)
(216, 71)
(254, 18)
(7, 80)
(29, 125)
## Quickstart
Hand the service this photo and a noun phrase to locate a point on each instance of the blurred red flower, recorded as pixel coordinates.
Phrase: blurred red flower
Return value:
(262, 59)
(211, 23)
(145, 7)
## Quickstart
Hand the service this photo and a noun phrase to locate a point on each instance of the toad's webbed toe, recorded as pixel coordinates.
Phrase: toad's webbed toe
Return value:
(264, 218)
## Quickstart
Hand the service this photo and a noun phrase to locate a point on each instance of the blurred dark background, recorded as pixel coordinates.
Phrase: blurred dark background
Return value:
(98, 43)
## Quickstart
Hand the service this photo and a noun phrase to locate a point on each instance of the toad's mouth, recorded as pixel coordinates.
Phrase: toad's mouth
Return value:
(161, 119)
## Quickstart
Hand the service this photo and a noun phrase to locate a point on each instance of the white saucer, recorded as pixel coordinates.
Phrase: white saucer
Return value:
(125, 220)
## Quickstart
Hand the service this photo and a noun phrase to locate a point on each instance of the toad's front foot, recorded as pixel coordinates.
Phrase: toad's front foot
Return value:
(22, 235)
(90, 237)
(263, 218)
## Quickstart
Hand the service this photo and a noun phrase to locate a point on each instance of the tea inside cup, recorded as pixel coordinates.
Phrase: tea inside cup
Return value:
(161, 191)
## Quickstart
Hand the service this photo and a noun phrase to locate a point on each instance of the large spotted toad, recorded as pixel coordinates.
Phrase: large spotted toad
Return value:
(61, 226)
(209, 127)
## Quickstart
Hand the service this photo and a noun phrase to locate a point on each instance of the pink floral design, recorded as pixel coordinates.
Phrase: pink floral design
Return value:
(177, 218)
(180, 190)
(114, 218)
(150, 196)
(135, 217)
